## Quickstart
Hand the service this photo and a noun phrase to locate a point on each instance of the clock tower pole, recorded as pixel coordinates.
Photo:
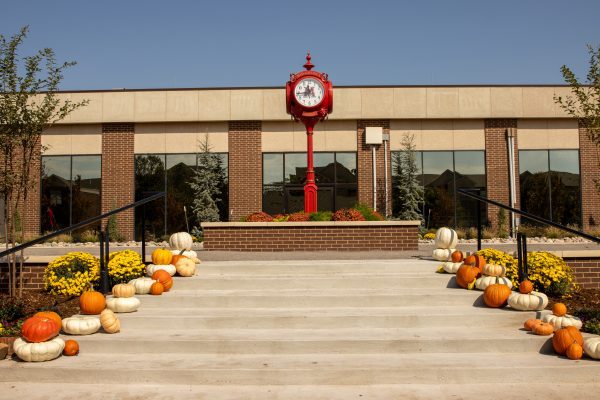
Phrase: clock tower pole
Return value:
(309, 99)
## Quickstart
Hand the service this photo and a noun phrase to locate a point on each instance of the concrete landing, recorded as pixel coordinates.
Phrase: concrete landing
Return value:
(314, 329)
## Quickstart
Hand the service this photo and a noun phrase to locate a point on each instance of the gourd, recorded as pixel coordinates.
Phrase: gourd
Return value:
(475, 261)
(493, 270)
(543, 329)
(442, 254)
(109, 321)
(565, 337)
(92, 302)
(575, 351)
(591, 346)
(36, 352)
(157, 289)
(152, 268)
(451, 267)
(164, 278)
(457, 256)
(446, 238)
(496, 295)
(534, 301)
(142, 285)
(161, 256)
(187, 253)
(483, 282)
(185, 267)
(123, 290)
(181, 241)
(39, 329)
(530, 323)
(123, 304)
(71, 348)
(563, 322)
(81, 325)
(52, 315)
(466, 275)
(525, 287)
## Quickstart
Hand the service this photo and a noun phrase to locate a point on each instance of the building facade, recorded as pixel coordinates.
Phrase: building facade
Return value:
(127, 144)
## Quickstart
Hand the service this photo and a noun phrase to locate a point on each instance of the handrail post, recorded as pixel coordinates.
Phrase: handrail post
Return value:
(104, 271)
(102, 261)
(519, 257)
(525, 265)
(479, 229)
(144, 234)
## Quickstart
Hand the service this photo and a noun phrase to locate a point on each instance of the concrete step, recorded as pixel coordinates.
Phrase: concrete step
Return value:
(321, 318)
(135, 391)
(298, 341)
(307, 369)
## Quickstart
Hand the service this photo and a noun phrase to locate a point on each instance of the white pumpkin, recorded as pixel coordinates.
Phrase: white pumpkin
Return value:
(36, 352)
(152, 268)
(81, 325)
(142, 285)
(562, 322)
(494, 270)
(188, 253)
(485, 281)
(443, 254)
(446, 238)
(123, 304)
(451, 267)
(534, 301)
(110, 322)
(181, 241)
(591, 346)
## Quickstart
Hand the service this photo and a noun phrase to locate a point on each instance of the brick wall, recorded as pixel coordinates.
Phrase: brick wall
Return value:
(589, 156)
(496, 164)
(32, 277)
(365, 166)
(319, 238)
(586, 270)
(118, 173)
(245, 168)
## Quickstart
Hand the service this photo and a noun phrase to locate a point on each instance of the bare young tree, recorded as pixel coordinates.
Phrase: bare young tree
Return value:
(28, 105)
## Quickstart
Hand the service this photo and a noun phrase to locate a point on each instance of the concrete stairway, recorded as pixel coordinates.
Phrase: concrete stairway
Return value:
(310, 330)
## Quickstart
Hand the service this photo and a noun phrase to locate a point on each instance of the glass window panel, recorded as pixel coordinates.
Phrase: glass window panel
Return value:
(295, 168)
(565, 186)
(346, 196)
(295, 199)
(273, 199)
(86, 187)
(56, 192)
(469, 169)
(180, 171)
(324, 168)
(272, 168)
(533, 180)
(325, 198)
(438, 175)
(150, 179)
(346, 171)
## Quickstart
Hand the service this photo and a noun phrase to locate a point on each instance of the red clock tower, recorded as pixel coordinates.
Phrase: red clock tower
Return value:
(309, 99)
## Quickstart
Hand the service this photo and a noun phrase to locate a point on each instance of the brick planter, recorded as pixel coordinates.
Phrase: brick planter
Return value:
(8, 341)
(303, 236)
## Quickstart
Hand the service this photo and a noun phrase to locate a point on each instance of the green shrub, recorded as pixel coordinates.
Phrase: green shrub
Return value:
(88, 236)
(368, 213)
(321, 216)
(590, 318)
(11, 308)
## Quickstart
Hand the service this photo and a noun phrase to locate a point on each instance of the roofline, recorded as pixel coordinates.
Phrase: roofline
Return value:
(283, 86)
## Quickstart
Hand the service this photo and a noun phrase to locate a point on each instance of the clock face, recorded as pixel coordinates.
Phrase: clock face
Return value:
(309, 92)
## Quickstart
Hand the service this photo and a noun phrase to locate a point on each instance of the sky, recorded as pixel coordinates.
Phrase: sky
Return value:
(170, 44)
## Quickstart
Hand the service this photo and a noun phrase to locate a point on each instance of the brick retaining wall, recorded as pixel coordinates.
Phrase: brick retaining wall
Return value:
(586, 270)
(33, 274)
(297, 236)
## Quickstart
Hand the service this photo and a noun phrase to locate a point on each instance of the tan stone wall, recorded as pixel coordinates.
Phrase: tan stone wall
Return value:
(548, 134)
(180, 137)
(291, 136)
(442, 134)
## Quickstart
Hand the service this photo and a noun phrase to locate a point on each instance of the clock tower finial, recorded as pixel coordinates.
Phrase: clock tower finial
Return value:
(308, 64)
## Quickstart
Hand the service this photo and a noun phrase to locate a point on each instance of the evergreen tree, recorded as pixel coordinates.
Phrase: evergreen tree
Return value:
(207, 184)
(407, 186)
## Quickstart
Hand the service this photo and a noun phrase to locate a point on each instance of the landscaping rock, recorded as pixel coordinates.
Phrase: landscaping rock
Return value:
(3, 351)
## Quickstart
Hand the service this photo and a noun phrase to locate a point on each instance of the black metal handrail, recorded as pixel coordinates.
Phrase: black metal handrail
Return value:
(104, 237)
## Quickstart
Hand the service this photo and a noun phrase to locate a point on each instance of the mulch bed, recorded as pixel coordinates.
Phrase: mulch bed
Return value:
(583, 298)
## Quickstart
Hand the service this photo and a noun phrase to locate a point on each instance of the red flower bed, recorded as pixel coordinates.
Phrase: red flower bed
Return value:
(347, 214)
(259, 217)
(299, 217)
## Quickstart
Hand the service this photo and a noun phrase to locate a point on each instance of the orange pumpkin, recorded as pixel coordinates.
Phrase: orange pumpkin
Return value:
(39, 329)
(530, 323)
(457, 256)
(565, 337)
(163, 277)
(496, 295)
(559, 309)
(475, 260)
(157, 289)
(543, 329)
(176, 258)
(525, 287)
(575, 351)
(466, 274)
(161, 257)
(92, 302)
(52, 315)
(71, 348)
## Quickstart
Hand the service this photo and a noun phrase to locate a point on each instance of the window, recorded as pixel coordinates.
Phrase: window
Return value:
(70, 190)
(284, 176)
(441, 174)
(550, 185)
(172, 174)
